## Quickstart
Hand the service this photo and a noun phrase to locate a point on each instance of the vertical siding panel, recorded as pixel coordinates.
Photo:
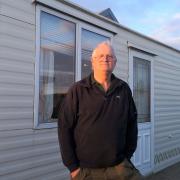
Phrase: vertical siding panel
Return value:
(16, 73)
(22, 11)
(167, 110)
(121, 50)
(25, 153)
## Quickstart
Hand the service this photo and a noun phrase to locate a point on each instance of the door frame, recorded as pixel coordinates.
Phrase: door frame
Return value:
(149, 57)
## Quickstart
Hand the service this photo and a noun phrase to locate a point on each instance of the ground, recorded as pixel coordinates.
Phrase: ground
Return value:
(170, 173)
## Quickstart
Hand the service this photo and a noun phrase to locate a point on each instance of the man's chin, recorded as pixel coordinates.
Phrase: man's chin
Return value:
(104, 70)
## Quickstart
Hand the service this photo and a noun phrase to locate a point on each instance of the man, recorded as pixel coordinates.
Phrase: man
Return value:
(98, 123)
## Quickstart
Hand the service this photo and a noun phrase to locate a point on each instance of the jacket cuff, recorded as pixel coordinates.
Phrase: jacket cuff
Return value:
(73, 167)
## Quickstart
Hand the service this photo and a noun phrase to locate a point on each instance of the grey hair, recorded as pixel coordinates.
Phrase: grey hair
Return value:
(107, 43)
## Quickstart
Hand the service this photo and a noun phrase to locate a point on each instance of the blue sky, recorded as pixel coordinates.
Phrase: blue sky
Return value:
(159, 19)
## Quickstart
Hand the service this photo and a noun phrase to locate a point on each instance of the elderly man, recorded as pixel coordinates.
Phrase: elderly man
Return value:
(98, 124)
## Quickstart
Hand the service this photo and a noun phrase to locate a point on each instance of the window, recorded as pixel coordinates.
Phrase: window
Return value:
(57, 64)
(141, 88)
(62, 41)
(89, 41)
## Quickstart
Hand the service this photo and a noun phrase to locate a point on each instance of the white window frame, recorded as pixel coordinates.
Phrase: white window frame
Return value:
(79, 26)
(149, 57)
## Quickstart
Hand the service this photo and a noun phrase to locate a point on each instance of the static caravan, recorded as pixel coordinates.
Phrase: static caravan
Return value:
(45, 46)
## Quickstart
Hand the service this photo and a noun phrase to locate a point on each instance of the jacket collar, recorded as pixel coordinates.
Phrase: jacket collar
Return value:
(89, 81)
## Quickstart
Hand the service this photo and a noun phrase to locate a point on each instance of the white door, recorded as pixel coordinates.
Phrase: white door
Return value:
(142, 89)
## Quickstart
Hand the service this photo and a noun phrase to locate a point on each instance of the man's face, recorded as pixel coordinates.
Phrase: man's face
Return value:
(103, 60)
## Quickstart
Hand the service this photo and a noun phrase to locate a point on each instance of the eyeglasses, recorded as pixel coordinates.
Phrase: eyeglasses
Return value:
(108, 57)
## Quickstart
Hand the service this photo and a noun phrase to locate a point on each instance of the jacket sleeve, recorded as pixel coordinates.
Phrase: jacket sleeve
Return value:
(66, 123)
(132, 129)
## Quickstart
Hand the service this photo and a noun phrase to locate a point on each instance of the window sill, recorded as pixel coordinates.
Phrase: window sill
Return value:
(46, 125)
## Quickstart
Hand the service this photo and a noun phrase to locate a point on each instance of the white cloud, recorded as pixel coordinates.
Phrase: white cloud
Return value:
(169, 33)
(176, 16)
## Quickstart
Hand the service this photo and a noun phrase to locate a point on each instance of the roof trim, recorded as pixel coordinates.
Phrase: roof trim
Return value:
(77, 7)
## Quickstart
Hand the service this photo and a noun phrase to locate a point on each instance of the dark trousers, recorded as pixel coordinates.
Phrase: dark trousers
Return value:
(122, 171)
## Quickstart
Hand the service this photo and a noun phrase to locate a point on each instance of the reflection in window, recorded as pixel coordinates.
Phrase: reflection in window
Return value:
(89, 41)
(141, 88)
(57, 64)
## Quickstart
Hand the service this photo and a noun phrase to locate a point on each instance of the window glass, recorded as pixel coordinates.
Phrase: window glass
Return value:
(141, 88)
(57, 64)
(89, 41)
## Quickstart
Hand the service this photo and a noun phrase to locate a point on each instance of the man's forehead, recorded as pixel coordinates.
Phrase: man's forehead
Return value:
(103, 48)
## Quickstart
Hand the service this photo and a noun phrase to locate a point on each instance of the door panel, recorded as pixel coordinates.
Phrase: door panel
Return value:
(141, 88)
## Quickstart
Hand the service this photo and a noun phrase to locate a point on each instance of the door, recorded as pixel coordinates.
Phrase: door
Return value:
(141, 85)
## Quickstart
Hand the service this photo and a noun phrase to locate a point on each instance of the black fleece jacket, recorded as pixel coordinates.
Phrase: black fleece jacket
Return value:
(97, 129)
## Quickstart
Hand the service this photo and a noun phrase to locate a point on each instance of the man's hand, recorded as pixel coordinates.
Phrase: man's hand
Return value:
(75, 172)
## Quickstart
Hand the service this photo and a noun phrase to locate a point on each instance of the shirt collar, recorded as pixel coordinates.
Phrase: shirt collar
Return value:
(93, 81)
(114, 83)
